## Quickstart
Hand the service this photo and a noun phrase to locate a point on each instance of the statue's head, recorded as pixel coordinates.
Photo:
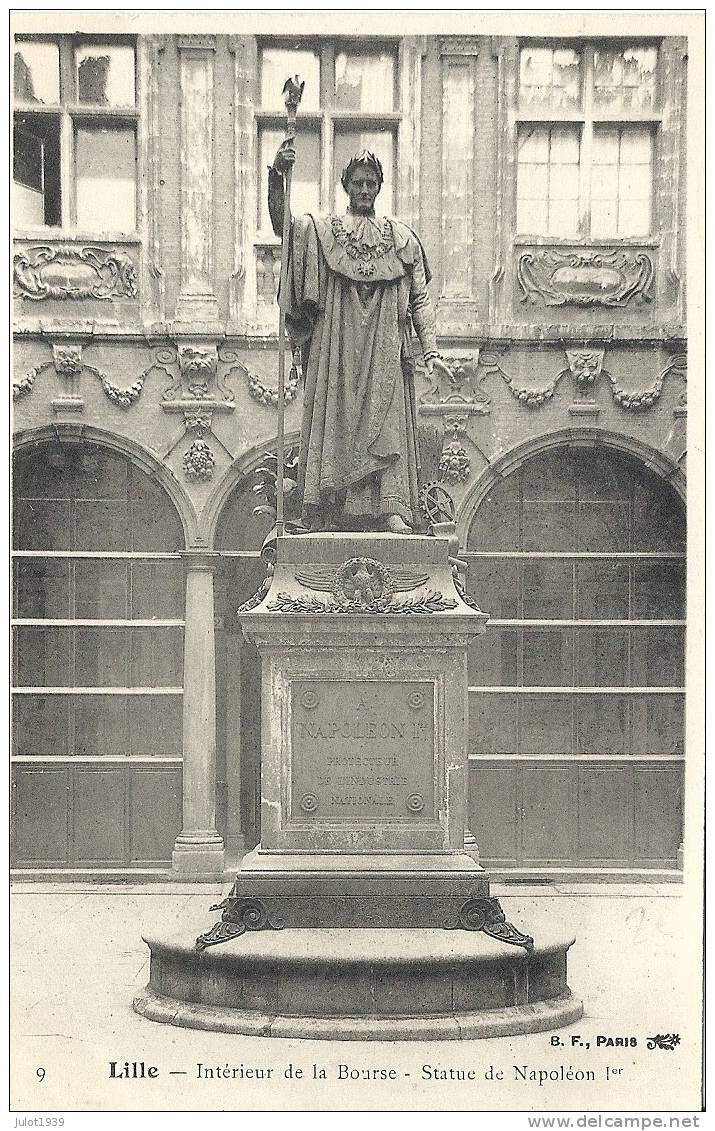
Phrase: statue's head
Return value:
(362, 180)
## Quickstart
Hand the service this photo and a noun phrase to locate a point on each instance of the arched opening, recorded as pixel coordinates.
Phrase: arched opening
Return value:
(577, 688)
(239, 537)
(98, 608)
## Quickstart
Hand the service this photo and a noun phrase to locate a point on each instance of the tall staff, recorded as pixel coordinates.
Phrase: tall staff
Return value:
(292, 94)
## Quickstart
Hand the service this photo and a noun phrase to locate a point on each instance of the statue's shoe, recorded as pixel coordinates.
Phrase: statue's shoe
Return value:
(396, 525)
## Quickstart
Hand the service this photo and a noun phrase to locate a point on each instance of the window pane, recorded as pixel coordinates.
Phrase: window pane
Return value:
(622, 175)
(492, 723)
(105, 164)
(548, 170)
(158, 590)
(496, 523)
(156, 725)
(550, 77)
(100, 590)
(547, 589)
(659, 589)
(659, 516)
(604, 526)
(36, 170)
(380, 142)
(37, 72)
(305, 187)
(364, 81)
(602, 724)
(278, 64)
(602, 657)
(658, 657)
(105, 74)
(102, 525)
(40, 725)
(102, 657)
(155, 525)
(100, 474)
(634, 218)
(101, 725)
(42, 524)
(491, 659)
(534, 182)
(43, 657)
(41, 588)
(548, 657)
(602, 592)
(548, 526)
(157, 657)
(658, 724)
(546, 724)
(532, 217)
(625, 79)
(494, 586)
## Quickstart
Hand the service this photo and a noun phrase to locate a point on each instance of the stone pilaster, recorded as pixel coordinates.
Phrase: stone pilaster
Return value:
(198, 852)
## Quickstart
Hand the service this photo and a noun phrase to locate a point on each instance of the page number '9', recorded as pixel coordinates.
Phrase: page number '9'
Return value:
(40, 1074)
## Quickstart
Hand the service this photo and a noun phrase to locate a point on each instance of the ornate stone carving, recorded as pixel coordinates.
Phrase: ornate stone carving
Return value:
(198, 368)
(67, 272)
(460, 389)
(585, 278)
(454, 465)
(486, 914)
(361, 581)
(269, 397)
(436, 503)
(25, 385)
(678, 367)
(532, 397)
(431, 602)
(67, 359)
(636, 399)
(199, 462)
(240, 914)
(585, 365)
(198, 420)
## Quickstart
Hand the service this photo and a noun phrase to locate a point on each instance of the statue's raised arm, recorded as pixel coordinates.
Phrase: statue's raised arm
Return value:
(282, 162)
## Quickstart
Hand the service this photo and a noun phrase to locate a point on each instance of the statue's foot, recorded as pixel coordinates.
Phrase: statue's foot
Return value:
(397, 525)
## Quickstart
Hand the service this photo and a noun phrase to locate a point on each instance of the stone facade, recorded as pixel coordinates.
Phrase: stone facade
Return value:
(160, 345)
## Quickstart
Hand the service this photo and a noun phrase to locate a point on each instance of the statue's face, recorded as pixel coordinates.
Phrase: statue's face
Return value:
(362, 188)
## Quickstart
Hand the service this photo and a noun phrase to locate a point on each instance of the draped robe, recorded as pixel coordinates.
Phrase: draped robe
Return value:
(355, 283)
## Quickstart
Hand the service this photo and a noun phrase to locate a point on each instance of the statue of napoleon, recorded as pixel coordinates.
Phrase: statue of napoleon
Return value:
(357, 284)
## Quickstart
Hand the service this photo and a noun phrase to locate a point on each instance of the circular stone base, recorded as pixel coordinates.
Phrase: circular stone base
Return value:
(362, 985)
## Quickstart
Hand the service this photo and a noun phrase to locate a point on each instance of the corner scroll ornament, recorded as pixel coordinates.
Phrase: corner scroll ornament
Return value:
(486, 914)
(68, 272)
(240, 914)
(585, 278)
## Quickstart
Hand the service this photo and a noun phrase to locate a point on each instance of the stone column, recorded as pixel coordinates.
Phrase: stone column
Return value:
(198, 852)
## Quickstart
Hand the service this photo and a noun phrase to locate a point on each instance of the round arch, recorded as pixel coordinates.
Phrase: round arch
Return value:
(137, 455)
(212, 513)
(510, 461)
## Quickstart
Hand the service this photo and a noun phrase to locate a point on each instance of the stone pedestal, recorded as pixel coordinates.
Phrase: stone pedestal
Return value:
(362, 866)
(363, 642)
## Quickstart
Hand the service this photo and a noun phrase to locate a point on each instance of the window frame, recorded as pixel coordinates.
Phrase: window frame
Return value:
(328, 116)
(73, 114)
(590, 118)
(70, 695)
